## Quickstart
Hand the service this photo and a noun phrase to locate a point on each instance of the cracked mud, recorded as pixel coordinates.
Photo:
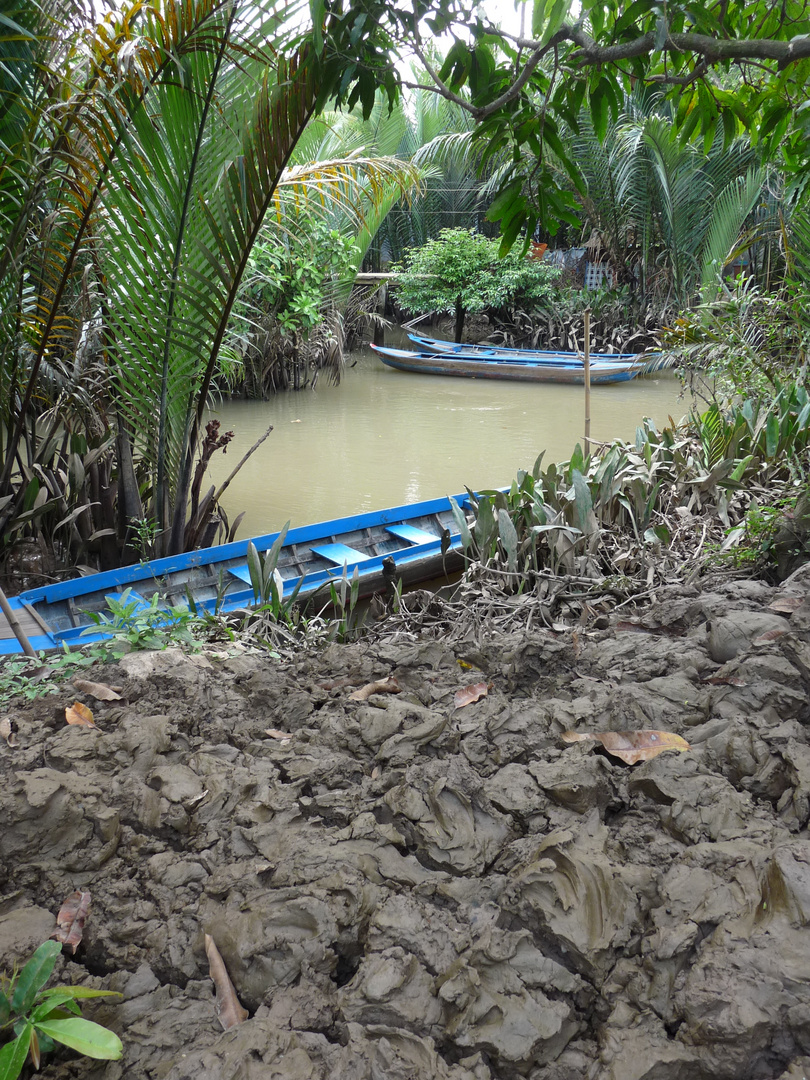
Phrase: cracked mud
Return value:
(406, 891)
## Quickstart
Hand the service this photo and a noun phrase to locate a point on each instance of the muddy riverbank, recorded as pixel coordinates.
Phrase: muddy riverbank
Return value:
(406, 890)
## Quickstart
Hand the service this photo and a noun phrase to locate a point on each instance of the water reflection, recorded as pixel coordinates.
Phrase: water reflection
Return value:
(385, 437)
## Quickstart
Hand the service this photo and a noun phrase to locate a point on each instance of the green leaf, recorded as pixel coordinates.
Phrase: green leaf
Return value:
(34, 976)
(13, 1054)
(600, 109)
(50, 1005)
(79, 991)
(583, 503)
(559, 9)
(772, 435)
(508, 535)
(354, 594)
(729, 128)
(661, 32)
(739, 469)
(709, 132)
(85, 1036)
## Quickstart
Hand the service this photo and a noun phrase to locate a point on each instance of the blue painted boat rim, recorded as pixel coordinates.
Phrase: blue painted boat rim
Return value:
(452, 347)
(127, 575)
(552, 361)
(312, 582)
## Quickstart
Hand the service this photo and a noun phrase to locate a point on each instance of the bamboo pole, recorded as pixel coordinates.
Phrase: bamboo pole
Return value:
(587, 317)
(19, 633)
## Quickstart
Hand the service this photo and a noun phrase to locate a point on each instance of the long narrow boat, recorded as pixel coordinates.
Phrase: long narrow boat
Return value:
(502, 352)
(543, 370)
(412, 543)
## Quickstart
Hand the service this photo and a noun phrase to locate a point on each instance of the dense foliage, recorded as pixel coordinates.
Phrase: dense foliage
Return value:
(284, 296)
(726, 67)
(461, 271)
(141, 152)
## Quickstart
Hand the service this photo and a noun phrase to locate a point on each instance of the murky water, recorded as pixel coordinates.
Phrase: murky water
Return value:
(385, 437)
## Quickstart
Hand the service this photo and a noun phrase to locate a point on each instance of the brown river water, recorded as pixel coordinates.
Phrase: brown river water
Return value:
(383, 438)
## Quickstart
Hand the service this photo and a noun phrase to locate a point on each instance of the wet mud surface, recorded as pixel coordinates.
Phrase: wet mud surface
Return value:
(403, 890)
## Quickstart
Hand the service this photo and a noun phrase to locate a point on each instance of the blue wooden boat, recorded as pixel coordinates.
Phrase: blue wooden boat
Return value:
(410, 543)
(501, 352)
(539, 370)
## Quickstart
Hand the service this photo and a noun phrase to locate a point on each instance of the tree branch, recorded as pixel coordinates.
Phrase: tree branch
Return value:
(587, 53)
(682, 80)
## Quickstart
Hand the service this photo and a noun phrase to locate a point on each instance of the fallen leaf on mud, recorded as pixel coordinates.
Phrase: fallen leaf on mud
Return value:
(469, 694)
(8, 729)
(632, 746)
(787, 604)
(71, 919)
(382, 686)
(100, 691)
(79, 714)
(228, 1009)
(274, 733)
(768, 637)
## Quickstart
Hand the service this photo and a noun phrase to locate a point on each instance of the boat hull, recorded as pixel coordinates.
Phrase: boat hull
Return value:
(535, 371)
(413, 536)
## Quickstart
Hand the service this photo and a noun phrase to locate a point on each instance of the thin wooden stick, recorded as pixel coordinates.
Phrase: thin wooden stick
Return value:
(19, 633)
(587, 316)
(252, 450)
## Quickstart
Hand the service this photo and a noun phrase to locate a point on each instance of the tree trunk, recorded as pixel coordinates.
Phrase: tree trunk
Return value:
(459, 319)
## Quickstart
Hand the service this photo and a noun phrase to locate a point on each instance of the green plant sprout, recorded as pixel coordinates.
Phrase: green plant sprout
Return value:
(29, 679)
(40, 1018)
(135, 624)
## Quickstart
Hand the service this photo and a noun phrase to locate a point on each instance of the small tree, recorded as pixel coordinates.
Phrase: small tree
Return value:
(461, 271)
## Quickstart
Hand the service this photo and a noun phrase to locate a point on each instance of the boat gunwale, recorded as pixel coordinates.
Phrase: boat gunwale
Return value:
(236, 549)
(451, 348)
(539, 363)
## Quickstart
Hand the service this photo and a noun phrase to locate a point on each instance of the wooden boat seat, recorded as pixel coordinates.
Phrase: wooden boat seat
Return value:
(412, 534)
(241, 572)
(339, 554)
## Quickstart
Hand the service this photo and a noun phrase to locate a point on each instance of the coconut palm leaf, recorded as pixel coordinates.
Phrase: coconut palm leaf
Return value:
(724, 239)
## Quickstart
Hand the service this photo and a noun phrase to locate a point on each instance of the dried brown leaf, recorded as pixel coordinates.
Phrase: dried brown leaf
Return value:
(768, 637)
(100, 691)
(8, 730)
(71, 919)
(468, 694)
(79, 714)
(33, 1049)
(631, 746)
(787, 604)
(228, 1009)
(382, 686)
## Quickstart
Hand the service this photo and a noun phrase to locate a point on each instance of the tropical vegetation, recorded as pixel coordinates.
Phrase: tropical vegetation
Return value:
(141, 155)
(461, 271)
(174, 223)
